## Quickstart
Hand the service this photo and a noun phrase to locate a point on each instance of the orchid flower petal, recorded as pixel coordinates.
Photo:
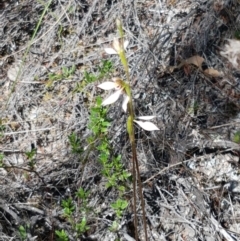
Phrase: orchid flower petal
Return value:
(150, 117)
(125, 102)
(116, 45)
(125, 44)
(110, 51)
(112, 98)
(148, 126)
(108, 85)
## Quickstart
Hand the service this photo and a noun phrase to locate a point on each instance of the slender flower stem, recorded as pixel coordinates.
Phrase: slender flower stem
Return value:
(131, 132)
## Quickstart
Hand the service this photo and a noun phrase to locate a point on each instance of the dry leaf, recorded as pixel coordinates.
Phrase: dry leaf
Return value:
(14, 125)
(48, 96)
(212, 72)
(195, 60)
(187, 69)
(14, 72)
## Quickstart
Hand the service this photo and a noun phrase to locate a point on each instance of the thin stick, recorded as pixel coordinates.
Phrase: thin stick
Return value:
(140, 192)
(134, 195)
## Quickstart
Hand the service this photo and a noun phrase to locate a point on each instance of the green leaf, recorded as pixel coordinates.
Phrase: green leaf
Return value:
(82, 227)
(64, 70)
(114, 226)
(82, 194)
(68, 207)
(22, 232)
(236, 137)
(61, 235)
(98, 101)
(237, 34)
(74, 142)
(121, 188)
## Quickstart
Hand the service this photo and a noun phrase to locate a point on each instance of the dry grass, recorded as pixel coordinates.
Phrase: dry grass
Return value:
(189, 169)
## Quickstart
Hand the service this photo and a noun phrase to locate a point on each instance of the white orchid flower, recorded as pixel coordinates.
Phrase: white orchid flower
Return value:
(146, 125)
(115, 84)
(116, 47)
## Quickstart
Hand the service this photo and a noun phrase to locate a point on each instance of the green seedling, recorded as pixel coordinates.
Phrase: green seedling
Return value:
(83, 197)
(1, 160)
(30, 156)
(70, 212)
(114, 226)
(98, 119)
(82, 227)
(192, 110)
(22, 233)
(237, 34)
(89, 77)
(104, 70)
(119, 206)
(68, 207)
(2, 129)
(236, 137)
(63, 74)
(75, 143)
(61, 235)
(115, 172)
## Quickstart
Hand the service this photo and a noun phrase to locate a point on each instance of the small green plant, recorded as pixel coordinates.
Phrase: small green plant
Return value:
(68, 207)
(83, 196)
(104, 69)
(1, 159)
(63, 74)
(30, 156)
(236, 137)
(237, 34)
(22, 233)
(75, 143)
(61, 235)
(89, 77)
(112, 168)
(98, 119)
(192, 110)
(82, 227)
(2, 128)
(70, 212)
(114, 226)
(119, 206)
